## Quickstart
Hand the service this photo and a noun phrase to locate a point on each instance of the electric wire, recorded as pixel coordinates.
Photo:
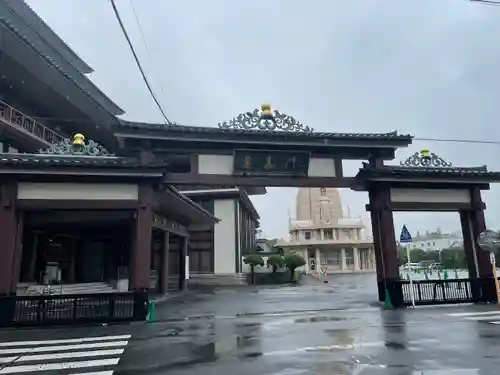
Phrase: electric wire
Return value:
(139, 65)
(143, 37)
(487, 2)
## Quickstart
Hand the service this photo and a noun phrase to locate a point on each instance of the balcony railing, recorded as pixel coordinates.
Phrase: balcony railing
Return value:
(19, 120)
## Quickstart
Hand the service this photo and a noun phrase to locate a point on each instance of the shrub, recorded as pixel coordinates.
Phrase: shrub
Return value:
(276, 261)
(293, 261)
(253, 261)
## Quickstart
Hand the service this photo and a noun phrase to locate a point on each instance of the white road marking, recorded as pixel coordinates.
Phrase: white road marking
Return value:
(485, 317)
(473, 313)
(68, 356)
(59, 366)
(64, 341)
(42, 349)
(93, 353)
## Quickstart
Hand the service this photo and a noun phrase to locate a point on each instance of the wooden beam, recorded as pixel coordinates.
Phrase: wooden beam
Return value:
(281, 181)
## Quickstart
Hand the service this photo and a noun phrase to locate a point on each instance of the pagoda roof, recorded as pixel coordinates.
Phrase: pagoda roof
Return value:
(276, 134)
(425, 166)
(53, 58)
(76, 154)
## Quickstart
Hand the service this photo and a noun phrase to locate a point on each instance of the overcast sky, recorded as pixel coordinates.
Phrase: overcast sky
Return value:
(430, 68)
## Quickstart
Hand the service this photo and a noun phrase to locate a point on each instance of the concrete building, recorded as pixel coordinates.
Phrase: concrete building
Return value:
(325, 237)
(435, 241)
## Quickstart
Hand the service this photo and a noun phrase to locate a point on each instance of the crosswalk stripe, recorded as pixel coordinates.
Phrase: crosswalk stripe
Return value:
(59, 366)
(44, 357)
(497, 322)
(485, 317)
(472, 313)
(110, 372)
(42, 349)
(64, 341)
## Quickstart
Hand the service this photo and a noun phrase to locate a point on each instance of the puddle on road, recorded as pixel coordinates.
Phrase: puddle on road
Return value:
(319, 319)
(395, 345)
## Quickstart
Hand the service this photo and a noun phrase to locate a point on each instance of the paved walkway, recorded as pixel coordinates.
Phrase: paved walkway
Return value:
(336, 328)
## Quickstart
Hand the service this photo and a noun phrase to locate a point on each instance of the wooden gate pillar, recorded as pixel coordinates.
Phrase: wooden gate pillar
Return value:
(9, 239)
(470, 253)
(386, 252)
(140, 260)
(485, 271)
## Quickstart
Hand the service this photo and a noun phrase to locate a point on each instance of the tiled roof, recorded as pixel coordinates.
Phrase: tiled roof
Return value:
(78, 79)
(212, 131)
(41, 160)
(390, 170)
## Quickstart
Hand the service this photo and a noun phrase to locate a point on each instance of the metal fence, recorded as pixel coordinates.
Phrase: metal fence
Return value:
(72, 309)
(435, 292)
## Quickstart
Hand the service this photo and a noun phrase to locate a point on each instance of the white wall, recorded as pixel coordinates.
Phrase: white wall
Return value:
(83, 191)
(430, 195)
(224, 236)
(435, 244)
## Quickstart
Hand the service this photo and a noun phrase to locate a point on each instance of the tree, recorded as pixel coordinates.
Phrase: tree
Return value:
(453, 258)
(276, 261)
(293, 261)
(253, 260)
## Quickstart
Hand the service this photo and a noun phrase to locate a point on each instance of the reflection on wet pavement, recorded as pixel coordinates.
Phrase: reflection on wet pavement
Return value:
(292, 330)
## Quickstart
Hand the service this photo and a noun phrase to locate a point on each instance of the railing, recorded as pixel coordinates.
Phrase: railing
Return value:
(72, 309)
(435, 292)
(17, 119)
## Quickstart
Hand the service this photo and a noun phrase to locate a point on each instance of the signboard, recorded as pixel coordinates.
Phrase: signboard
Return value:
(492, 258)
(405, 236)
(271, 163)
(489, 240)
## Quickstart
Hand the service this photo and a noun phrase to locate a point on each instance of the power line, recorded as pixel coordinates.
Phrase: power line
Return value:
(143, 37)
(487, 2)
(476, 141)
(117, 14)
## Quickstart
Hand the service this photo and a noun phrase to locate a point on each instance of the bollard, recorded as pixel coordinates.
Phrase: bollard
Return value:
(388, 303)
(151, 312)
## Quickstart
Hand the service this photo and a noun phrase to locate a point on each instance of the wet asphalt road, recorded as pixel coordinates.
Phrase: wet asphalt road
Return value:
(309, 329)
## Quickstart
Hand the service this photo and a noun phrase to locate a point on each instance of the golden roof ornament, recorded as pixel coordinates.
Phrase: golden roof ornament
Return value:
(425, 159)
(76, 147)
(265, 118)
(78, 139)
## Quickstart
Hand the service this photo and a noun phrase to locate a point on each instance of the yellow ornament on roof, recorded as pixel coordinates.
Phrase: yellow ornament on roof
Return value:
(425, 153)
(266, 111)
(78, 139)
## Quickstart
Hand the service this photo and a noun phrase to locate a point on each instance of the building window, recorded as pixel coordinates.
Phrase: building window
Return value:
(307, 235)
(323, 259)
(333, 257)
(347, 234)
(328, 234)
(349, 257)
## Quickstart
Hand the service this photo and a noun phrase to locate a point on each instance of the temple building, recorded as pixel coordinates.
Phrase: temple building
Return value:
(325, 237)
(76, 219)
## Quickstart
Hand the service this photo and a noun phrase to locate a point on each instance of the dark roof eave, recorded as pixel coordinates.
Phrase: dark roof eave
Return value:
(234, 193)
(96, 95)
(204, 213)
(393, 137)
(469, 175)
